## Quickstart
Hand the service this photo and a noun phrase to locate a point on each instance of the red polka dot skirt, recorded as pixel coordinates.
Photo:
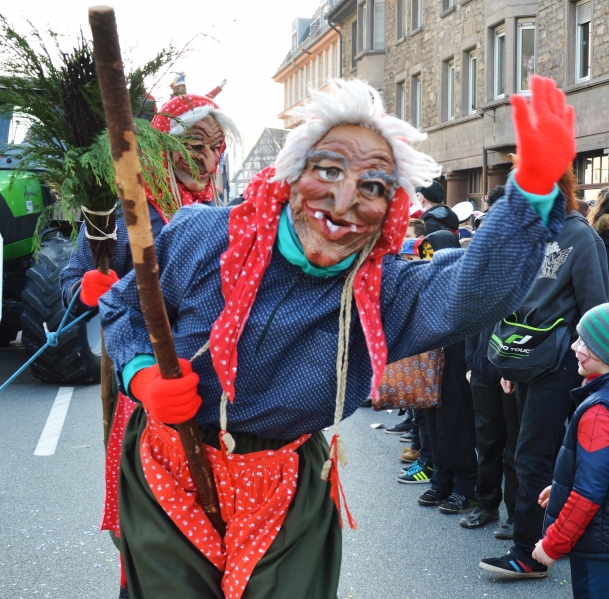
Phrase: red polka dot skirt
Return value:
(255, 491)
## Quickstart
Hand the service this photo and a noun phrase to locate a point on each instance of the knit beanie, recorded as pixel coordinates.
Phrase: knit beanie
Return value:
(593, 328)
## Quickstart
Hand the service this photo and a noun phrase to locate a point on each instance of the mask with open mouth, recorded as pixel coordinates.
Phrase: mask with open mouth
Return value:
(341, 199)
(205, 140)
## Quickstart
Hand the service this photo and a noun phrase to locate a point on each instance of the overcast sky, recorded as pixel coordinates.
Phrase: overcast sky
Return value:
(252, 37)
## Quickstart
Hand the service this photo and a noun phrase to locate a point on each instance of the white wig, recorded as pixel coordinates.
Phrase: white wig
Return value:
(354, 102)
(179, 124)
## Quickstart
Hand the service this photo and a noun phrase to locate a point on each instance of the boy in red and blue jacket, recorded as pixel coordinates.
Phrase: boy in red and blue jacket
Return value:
(577, 516)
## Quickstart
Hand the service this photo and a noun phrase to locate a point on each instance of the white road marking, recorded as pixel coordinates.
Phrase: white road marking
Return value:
(52, 429)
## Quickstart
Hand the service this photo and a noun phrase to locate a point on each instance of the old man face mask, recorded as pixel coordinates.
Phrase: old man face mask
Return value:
(205, 141)
(341, 199)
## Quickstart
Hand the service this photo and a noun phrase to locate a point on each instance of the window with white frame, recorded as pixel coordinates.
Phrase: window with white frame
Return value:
(401, 19)
(583, 18)
(378, 25)
(417, 13)
(450, 90)
(362, 30)
(416, 105)
(472, 86)
(400, 100)
(525, 55)
(499, 51)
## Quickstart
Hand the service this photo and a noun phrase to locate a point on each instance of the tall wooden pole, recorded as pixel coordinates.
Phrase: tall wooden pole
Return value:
(121, 129)
(106, 374)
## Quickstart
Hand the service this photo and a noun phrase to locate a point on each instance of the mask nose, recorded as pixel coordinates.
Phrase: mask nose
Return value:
(345, 197)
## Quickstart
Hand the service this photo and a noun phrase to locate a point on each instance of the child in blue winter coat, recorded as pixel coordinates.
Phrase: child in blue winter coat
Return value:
(577, 516)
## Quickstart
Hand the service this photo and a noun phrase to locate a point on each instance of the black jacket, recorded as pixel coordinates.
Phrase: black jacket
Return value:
(440, 218)
(476, 358)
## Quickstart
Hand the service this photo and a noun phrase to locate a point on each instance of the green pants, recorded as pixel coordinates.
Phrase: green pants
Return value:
(303, 562)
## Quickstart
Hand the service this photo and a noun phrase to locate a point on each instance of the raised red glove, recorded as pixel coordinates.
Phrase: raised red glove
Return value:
(94, 285)
(171, 401)
(545, 138)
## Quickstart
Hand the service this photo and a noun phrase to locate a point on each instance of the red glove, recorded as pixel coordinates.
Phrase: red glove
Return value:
(171, 401)
(94, 285)
(545, 138)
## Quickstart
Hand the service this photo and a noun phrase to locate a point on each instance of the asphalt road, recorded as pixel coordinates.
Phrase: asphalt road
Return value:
(50, 510)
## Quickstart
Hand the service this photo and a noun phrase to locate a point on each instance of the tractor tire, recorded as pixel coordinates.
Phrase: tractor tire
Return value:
(76, 360)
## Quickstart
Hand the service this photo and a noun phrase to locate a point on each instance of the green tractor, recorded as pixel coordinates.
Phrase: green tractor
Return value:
(30, 290)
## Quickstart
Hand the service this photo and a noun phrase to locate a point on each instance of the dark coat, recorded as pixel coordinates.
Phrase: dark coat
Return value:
(440, 218)
(476, 349)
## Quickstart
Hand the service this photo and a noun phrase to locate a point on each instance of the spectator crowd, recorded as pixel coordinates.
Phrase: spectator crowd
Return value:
(498, 433)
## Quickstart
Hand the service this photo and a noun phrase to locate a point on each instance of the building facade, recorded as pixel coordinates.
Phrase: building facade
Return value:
(449, 67)
(314, 59)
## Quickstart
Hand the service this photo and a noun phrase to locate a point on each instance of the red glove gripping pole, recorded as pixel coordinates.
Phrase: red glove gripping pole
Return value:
(171, 401)
(94, 285)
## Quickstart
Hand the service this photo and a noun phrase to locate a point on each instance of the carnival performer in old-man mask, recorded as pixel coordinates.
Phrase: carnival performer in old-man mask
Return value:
(299, 297)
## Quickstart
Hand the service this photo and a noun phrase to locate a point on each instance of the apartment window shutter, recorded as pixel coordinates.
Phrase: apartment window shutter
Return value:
(584, 12)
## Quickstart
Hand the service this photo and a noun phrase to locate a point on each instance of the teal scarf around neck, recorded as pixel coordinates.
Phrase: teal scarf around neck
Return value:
(291, 249)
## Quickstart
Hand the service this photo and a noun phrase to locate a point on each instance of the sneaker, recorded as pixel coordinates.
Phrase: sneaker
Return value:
(400, 428)
(479, 517)
(406, 437)
(409, 455)
(506, 530)
(508, 565)
(417, 473)
(457, 504)
(432, 497)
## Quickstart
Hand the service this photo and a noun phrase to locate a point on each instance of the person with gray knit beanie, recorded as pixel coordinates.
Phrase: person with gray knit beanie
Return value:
(593, 329)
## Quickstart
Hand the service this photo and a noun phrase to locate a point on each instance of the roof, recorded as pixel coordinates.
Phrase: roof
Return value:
(263, 154)
(341, 10)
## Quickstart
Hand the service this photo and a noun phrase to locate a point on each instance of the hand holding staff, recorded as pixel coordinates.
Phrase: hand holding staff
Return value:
(119, 119)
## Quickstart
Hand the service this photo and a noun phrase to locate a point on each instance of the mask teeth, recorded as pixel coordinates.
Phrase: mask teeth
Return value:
(319, 215)
(332, 227)
(353, 228)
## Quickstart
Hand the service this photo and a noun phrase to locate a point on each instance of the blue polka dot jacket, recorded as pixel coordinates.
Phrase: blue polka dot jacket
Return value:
(286, 375)
(81, 259)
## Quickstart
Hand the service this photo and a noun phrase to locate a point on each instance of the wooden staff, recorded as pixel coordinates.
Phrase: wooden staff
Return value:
(106, 374)
(121, 129)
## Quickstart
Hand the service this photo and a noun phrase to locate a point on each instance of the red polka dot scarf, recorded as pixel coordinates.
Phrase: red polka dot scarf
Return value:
(162, 121)
(252, 231)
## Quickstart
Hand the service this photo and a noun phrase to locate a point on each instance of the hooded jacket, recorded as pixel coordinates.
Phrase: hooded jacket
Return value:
(574, 277)
(440, 218)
